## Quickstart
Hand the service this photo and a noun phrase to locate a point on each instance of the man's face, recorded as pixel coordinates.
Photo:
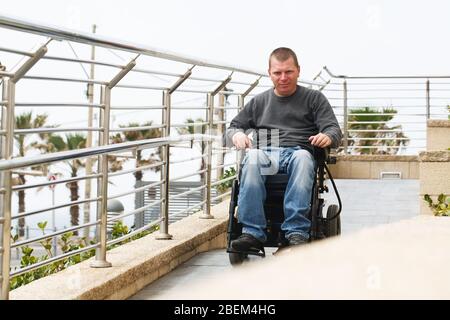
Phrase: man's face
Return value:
(284, 76)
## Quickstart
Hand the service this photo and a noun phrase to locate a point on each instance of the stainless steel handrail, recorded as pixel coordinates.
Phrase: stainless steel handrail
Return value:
(93, 151)
(60, 33)
(68, 204)
(53, 104)
(387, 93)
(46, 236)
(386, 76)
(182, 211)
(143, 208)
(104, 126)
(238, 82)
(54, 182)
(223, 180)
(135, 190)
(223, 195)
(6, 165)
(139, 168)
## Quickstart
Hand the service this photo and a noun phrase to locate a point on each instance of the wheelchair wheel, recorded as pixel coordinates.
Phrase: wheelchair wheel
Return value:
(333, 227)
(236, 258)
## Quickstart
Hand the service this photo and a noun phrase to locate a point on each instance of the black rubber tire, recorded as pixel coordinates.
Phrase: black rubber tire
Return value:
(338, 221)
(236, 258)
(334, 225)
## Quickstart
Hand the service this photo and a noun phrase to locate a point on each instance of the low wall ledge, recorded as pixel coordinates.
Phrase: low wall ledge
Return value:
(434, 156)
(377, 157)
(438, 123)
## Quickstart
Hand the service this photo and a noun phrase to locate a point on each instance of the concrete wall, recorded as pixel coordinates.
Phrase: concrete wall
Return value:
(435, 163)
(434, 176)
(371, 166)
(438, 135)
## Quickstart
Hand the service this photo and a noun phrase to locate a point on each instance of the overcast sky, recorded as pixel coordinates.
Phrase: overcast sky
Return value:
(352, 37)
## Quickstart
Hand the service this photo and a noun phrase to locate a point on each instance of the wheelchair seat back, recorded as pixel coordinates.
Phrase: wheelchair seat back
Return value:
(275, 189)
(273, 208)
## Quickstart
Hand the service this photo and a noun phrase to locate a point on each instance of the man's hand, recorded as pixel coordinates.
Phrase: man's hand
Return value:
(241, 141)
(320, 140)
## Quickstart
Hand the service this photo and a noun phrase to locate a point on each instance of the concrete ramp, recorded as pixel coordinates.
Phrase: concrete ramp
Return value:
(408, 259)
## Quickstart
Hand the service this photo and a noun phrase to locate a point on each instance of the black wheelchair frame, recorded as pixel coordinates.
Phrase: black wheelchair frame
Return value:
(321, 226)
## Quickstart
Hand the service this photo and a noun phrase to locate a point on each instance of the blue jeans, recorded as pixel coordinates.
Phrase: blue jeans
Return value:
(299, 164)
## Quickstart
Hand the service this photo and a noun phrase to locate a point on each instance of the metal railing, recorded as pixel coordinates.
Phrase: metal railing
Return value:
(100, 242)
(414, 99)
(146, 84)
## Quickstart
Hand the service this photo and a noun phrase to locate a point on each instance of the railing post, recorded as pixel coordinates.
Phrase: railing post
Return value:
(7, 153)
(6, 183)
(207, 181)
(209, 146)
(102, 182)
(428, 111)
(102, 187)
(165, 173)
(89, 162)
(345, 117)
(219, 132)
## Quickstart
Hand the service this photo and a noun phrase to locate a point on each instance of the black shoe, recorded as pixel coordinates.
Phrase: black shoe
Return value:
(247, 242)
(296, 239)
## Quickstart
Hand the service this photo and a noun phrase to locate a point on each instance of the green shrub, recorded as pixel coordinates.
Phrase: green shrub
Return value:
(224, 186)
(67, 242)
(442, 207)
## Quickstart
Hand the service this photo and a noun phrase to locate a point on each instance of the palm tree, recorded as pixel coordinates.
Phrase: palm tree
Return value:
(135, 135)
(191, 129)
(375, 120)
(26, 121)
(69, 142)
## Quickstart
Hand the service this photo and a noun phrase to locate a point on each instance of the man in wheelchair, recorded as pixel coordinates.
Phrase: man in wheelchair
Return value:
(289, 121)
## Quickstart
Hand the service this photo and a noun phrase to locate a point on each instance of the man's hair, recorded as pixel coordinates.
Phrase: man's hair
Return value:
(282, 54)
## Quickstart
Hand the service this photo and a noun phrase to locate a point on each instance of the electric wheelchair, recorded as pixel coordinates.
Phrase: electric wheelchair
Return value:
(322, 226)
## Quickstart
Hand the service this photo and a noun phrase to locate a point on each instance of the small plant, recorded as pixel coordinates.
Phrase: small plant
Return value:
(224, 186)
(67, 242)
(119, 230)
(442, 207)
(46, 243)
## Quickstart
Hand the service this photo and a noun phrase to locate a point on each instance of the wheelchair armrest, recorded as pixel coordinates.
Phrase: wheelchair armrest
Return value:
(331, 159)
(320, 154)
(323, 155)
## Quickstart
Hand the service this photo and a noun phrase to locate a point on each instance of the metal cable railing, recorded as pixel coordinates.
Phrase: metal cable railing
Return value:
(143, 84)
(377, 114)
(6, 166)
(124, 101)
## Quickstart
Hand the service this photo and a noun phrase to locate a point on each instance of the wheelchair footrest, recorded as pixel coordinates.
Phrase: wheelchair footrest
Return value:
(260, 253)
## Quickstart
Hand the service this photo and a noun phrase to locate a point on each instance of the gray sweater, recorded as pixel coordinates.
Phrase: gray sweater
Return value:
(294, 119)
